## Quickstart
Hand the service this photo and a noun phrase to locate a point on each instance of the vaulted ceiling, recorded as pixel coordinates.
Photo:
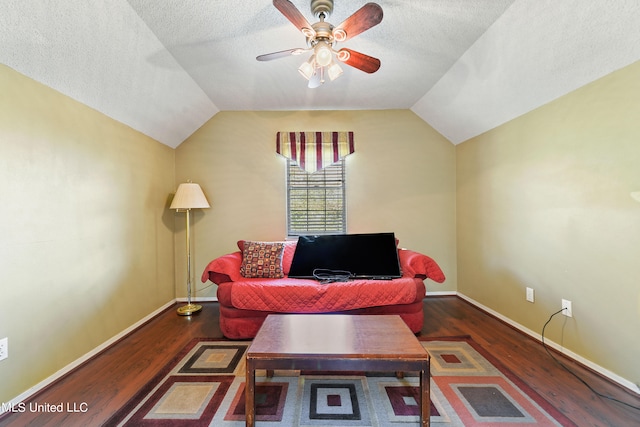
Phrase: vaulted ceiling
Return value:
(165, 67)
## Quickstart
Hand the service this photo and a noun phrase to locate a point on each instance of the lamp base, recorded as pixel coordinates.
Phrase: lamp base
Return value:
(189, 309)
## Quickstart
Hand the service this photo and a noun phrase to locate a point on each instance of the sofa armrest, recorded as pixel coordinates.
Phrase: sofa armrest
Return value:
(415, 264)
(223, 269)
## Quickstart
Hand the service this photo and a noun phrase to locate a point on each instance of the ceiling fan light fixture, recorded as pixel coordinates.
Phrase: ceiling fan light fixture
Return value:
(334, 71)
(307, 68)
(323, 54)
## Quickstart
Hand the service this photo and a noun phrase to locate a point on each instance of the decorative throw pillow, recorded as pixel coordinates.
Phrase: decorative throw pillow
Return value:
(287, 252)
(262, 259)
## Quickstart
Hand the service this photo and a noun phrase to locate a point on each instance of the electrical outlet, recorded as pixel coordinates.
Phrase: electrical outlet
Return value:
(530, 295)
(566, 308)
(4, 348)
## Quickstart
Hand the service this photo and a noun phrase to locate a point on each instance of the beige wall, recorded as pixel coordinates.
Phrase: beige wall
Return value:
(86, 247)
(545, 201)
(401, 178)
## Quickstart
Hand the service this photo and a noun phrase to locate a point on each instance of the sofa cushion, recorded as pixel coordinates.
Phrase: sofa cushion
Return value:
(242, 324)
(310, 296)
(262, 259)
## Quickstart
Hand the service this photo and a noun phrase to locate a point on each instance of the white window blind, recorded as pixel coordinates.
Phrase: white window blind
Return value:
(316, 201)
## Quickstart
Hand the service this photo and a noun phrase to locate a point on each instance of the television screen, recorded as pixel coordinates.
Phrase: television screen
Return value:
(363, 256)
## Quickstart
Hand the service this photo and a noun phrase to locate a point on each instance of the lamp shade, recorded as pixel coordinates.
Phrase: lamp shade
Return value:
(189, 196)
(334, 71)
(307, 68)
(323, 54)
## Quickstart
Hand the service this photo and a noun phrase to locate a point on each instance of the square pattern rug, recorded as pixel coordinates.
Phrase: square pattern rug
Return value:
(204, 386)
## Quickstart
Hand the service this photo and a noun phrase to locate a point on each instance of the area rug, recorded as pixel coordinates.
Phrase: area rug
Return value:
(204, 386)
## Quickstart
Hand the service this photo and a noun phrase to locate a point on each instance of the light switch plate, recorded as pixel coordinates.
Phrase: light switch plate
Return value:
(530, 295)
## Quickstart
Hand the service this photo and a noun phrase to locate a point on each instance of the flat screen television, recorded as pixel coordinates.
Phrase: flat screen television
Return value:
(363, 256)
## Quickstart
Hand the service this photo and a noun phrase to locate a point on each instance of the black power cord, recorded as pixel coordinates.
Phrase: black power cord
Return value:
(597, 393)
(330, 276)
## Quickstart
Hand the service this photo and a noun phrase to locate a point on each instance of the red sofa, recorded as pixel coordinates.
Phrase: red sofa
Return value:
(246, 302)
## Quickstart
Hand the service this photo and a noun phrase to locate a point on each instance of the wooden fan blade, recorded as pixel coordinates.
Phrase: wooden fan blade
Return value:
(292, 13)
(364, 18)
(358, 60)
(280, 54)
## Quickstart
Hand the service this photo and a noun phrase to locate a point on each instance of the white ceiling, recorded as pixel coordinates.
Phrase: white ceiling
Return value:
(165, 67)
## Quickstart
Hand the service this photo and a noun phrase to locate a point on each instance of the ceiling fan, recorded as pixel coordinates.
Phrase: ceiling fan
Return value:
(322, 38)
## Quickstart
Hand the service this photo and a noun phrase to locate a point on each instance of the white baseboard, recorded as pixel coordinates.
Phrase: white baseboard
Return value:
(44, 383)
(442, 294)
(597, 368)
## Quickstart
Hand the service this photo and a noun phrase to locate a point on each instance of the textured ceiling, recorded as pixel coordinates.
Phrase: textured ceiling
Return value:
(165, 67)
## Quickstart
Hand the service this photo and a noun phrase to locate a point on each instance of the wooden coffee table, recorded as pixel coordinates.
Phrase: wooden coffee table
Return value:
(335, 342)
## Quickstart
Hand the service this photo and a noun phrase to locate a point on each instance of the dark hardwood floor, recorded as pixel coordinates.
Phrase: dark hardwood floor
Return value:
(109, 380)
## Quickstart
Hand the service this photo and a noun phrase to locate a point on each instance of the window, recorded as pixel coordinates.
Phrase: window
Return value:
(316, 201)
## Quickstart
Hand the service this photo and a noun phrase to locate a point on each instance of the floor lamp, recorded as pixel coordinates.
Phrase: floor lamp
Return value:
(189, 196)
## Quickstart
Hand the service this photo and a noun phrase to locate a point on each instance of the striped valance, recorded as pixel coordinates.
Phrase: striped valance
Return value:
(313, 151)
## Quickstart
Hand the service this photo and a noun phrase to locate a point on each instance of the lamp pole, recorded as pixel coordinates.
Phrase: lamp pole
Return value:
(187, 310)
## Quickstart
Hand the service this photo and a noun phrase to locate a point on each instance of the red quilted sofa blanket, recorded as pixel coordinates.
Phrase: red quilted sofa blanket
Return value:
(288, 295)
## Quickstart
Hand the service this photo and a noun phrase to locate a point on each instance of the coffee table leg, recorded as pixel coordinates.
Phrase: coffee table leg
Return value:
(250, 394)
(425, 390)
